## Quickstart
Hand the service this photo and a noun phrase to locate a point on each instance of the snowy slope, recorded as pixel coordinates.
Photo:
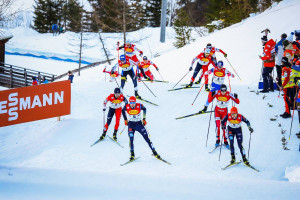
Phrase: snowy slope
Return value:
(53, 160)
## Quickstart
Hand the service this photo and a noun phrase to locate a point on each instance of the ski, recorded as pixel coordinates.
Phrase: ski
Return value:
(130, 161)
(157, 81)
(250, 166)
(231, 164)
(115, 141)
(219, 146)
(162, 160)
(191, 115)
(96, 142)
(182, 88)
(145, 101)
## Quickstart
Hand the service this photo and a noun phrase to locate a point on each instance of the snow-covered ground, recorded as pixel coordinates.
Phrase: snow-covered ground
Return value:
(53, 160)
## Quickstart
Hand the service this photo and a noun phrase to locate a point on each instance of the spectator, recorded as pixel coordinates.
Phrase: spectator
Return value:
(268, 59)
(279, 50)
(34, 81)
(288, 87)
(60, 29)
(54, 29)
(45, 80)
(71, 76)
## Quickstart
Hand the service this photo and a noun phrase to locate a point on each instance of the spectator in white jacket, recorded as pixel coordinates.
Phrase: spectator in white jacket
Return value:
(279, 50)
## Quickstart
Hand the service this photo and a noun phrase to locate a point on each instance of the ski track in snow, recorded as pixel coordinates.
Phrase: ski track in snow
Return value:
(40, 157)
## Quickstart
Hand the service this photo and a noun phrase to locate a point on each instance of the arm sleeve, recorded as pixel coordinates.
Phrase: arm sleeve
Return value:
(236, 100)
(286, 80)
(154, 65)
(143, 108)
(224, 120)
(220, 50)
(194, 60)
(105, 102)
(124, 112)
(125, 101)
(121, 47)
(211, 98)
(246, 121)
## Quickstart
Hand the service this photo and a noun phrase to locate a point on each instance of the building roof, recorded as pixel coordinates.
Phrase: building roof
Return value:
(5, 34)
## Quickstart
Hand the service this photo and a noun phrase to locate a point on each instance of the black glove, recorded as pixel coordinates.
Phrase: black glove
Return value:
(213, 93)
(190, 68)
(250, 129)
(104, 109)
(225, 55)
(235, 95)
(157, 69)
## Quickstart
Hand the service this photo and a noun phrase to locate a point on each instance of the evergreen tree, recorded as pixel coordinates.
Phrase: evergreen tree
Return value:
(153, 12)
(73, 14)
(40, 19)
(182, 29)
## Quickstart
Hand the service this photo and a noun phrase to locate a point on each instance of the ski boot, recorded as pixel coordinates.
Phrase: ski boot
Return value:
(232, 158)
(282, 114)
(203, 110)
(198, 82)
(132, 155)
(245, 160)
(189, 85)
(115, 135)
(286, 115)
(155, 154)
(226, 144)
(206, 88)
(217, 143)
(103, 135)
(137, 95)
(298, 135)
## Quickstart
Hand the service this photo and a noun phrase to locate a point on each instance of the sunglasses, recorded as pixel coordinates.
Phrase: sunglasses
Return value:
(132, 102)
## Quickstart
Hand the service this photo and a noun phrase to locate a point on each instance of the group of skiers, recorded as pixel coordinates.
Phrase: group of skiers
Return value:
(219, 92)
(131, 111)
(284, 55)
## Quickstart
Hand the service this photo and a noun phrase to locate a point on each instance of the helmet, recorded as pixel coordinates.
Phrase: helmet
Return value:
(132, 99)
(234, 110)
(283, 35)
(117, 90)
(122, 57)
(264, 39)
(209, 46)
(207, 51)
(145, 58)
(220, 63)
(223, 87)
(128, 41)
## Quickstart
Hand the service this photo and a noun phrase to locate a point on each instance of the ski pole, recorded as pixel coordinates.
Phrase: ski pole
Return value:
(181, 79)
(147, 131)
(233, 69)
(117, 82)
(209, 123)
(221, 146)
(122, 130)
(293, 114)
(118, 43)
(148, 87)
(198, 94)
(103, 119)
(249, 146)
(161, 76)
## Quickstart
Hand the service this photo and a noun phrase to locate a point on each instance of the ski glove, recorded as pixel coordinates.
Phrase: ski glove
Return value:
(144, 122)
(157, 69)
(126, 122)
(104, 109)
(225, 55)
(190, 68)
(250, 129)
(235, 95)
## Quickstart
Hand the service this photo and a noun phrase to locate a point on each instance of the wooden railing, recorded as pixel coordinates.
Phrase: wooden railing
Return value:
(13, 76)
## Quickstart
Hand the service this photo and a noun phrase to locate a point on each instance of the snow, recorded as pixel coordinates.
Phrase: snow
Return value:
(53, 160)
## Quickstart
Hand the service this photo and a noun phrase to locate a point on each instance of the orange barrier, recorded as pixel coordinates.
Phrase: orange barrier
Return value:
(33, 103)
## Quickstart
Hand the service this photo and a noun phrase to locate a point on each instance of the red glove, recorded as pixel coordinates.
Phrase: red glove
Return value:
(126, 122)
(144, 122)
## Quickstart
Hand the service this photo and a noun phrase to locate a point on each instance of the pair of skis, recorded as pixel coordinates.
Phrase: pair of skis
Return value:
(194, 114)
(236, 163)
(115, 141)
(161, 159)
(182, 88)
(144, 100)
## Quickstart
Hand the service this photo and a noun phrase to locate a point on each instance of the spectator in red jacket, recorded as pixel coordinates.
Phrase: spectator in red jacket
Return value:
(34, 81)
(268, 59)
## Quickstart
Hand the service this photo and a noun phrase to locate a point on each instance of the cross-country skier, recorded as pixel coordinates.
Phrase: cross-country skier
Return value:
(130, 51)
(204, 60)
(213, 50)
(235, 130)
(113, 74)
(144, 66)
(223, 97)
(219, 76)
(135, 123)
(127, 69)
(115, 108)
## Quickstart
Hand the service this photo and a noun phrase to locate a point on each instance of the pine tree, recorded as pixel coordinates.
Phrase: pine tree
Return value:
(40, 19)
(73, 16)
(183, 31)
(153, 12)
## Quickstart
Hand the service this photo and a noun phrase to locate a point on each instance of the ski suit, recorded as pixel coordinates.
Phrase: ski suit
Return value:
(203, 63)
(288, 88)
(213, 51)
(235, 130)
(135, 123)
(115, 107)
(130, 52)
(269, 63)
(221, 109)
(145, 67)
